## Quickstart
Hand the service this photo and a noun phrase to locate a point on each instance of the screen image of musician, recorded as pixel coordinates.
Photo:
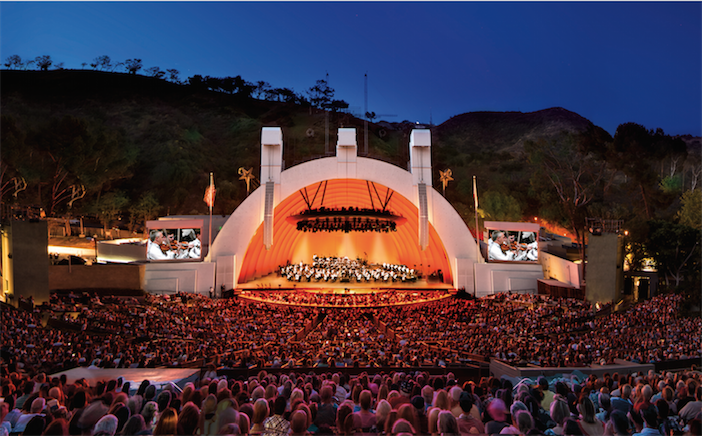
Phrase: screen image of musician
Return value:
(512, 246)
(174, 244)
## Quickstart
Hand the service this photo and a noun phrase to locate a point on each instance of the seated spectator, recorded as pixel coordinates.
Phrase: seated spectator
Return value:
(495, 416)
(447, 424)
(467, 424)
(106, 426)
(365, 419)
(692, 408)
(260, 414)
(588, 422)
(167, 423)
(298, 423)
(650, 420)
(277, 425)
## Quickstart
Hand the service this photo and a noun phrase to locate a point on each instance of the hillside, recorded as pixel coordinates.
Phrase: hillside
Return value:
(506, 131)
(165, 138)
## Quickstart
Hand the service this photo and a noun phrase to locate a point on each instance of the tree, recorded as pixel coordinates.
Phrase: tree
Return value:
(173, 75)
(286, 94)
(243, 88)
(675, 249)
(155, 72)
(109, 206)
(43, 62)
(217, 84)
(132, 65)
(145, 209)
(102, 63)
(575, 177)
(634, 151)
(70, 151)
(320, 94)
(197, 82)
(500, 207)
(83, 64)
(13, 62)
(58, 66)
(337, 105)
(371, 116)
(690, 213)
(263, 89)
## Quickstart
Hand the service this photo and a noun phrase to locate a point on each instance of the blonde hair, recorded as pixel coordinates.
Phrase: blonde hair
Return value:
(442, 400)
(167, 422)
(260, 411)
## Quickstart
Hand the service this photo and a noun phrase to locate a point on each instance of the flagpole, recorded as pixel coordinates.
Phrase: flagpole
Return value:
(475, 201)
(477, 239)
(209, 242)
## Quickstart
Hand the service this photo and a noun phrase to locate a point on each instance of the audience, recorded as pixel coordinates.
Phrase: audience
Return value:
(173, 331)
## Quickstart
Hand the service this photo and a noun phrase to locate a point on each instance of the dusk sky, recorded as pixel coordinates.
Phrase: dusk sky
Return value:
(609, 62)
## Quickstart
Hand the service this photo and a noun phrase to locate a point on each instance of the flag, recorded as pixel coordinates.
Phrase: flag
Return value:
(210, 193)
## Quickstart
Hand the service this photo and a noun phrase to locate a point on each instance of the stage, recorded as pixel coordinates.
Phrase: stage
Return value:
(275, 281)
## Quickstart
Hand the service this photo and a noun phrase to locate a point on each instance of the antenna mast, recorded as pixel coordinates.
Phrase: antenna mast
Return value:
(364, 151)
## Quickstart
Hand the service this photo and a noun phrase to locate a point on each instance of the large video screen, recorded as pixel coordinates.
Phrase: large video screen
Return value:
(174, 244)
(512, 246)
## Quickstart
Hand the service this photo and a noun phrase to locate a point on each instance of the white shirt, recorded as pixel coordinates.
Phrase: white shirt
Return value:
(154, 252)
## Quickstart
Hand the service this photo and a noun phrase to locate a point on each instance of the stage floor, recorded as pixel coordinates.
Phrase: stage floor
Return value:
(274, 281)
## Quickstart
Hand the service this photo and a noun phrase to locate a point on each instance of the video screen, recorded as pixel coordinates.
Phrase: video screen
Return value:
(512, 246)
(174, 244)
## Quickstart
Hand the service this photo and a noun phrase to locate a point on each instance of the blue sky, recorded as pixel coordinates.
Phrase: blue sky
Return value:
(611, 62)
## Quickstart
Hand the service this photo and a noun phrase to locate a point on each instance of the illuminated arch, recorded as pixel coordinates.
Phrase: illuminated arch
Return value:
(295, 246)
(240, 254)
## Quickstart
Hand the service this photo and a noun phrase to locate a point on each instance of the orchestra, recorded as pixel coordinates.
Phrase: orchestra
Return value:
(343, 269)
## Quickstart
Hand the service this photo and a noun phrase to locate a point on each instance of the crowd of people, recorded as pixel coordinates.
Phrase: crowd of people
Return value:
(332, 269)
(346, 299)
(180, 330)
(394, 403)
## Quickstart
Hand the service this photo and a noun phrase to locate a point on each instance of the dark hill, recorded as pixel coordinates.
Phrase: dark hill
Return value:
(507, 131)
(180, 133)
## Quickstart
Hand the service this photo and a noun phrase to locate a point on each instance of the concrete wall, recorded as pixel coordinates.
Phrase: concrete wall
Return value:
(492, 278)
(169, 278)
(26, 253)
(604, 268)
(560, 269)
(96, 276)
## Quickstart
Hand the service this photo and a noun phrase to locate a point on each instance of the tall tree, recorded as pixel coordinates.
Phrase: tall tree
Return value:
(110, 206)
(262, 90)
(637, 153)
(102, 63)
(43, 62)
(576, 177)
(145, 209)
(675, 249)
(14, 62)
(133, 65)
(173, 75)
(500, 207)
(155, 72)
(690, 213)
(321, 93)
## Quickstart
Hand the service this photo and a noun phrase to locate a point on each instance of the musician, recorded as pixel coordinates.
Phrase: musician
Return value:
(500, 248)
(194, 244)
(158, 247)
(532, 245)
